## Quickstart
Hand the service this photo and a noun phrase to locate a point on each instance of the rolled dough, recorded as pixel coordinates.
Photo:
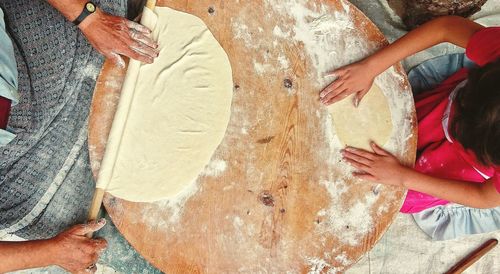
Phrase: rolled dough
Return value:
(172, 114)
(370, 121)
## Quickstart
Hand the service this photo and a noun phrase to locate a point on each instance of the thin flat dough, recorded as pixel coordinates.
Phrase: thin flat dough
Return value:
(172, 114)
(370, 121)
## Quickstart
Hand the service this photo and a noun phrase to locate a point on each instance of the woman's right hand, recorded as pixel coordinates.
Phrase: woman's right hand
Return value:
(355, 78)
(75, 252)
(115, 36)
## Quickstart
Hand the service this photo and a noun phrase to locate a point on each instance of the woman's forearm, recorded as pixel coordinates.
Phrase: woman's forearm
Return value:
(465, 193)
(453, 29)
(69, 8)
(24, 255)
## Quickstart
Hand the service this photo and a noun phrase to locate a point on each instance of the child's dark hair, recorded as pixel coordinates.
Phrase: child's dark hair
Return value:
(477, 120)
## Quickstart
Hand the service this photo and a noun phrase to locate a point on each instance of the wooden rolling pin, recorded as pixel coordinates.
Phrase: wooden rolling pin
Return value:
(473, 257)
(95, 206)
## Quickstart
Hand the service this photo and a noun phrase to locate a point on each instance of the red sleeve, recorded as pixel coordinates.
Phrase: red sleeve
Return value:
(484, 46)
(496, 181)
(4, 112)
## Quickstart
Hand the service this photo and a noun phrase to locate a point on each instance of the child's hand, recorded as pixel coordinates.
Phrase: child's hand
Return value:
(355, 78)
(378, 166)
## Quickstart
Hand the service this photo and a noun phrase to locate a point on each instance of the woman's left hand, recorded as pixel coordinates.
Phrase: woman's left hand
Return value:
(378, 166)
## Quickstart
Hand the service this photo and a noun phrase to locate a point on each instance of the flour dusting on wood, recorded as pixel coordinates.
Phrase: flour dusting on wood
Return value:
(215, 168)
(267, 150)
(175, 205)
(331, 40)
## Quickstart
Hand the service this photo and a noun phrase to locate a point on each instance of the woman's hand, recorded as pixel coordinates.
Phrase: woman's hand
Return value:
(378, 166)
(113, 36)
(75, 252)
(355, 78)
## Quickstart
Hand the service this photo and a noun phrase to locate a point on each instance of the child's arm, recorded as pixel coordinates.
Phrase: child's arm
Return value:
(469, 194)
(382, 167)
(358, 77)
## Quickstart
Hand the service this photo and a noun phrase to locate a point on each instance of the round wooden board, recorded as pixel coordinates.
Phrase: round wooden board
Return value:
(261, 208)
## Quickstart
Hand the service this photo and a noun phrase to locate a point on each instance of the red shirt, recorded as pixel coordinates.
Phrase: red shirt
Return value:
(4, 112)
(437, 155)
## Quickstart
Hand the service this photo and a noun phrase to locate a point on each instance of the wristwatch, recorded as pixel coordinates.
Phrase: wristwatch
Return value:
(88, 9)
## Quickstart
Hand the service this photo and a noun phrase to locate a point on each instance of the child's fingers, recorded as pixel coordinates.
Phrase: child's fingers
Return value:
(361, 152)
(378, 149)
(364, 176)
(357, 165)
(337, 73)
(331, 89)
(339, 97)
(357, 158)
(326, 90)
(330, 74)
(359, 96)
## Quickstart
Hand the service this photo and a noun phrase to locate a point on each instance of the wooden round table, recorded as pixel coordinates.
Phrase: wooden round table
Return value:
(263, 204)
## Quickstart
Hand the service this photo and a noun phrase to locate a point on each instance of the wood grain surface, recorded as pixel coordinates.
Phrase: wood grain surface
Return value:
(261, 213)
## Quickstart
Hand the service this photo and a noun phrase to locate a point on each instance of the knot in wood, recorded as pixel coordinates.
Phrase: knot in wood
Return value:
(211, 10)
(266, 198)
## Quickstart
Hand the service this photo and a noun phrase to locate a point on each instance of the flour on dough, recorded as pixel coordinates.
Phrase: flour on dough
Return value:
(177, 115)
(370, 121)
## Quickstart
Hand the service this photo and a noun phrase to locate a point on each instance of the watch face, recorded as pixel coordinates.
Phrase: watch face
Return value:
(90, 7)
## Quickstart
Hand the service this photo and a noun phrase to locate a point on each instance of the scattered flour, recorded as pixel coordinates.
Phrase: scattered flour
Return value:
(317, 265)
(283, 62)
(215, 168)
(342, 258)
(242, 31)
(330, 41)
(271, 61)
(173, 205)
(278, 32)
(90, 71)
(113, 84)
(176, 204)
(102, 269)
(238, 222)
(260, 68)
(228, 187)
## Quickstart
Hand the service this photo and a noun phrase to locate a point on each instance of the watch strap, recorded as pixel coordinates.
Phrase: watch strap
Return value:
(85, 12)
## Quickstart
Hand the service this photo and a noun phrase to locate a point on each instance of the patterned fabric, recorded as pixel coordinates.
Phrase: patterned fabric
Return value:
(8, 82)
(45, 179)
